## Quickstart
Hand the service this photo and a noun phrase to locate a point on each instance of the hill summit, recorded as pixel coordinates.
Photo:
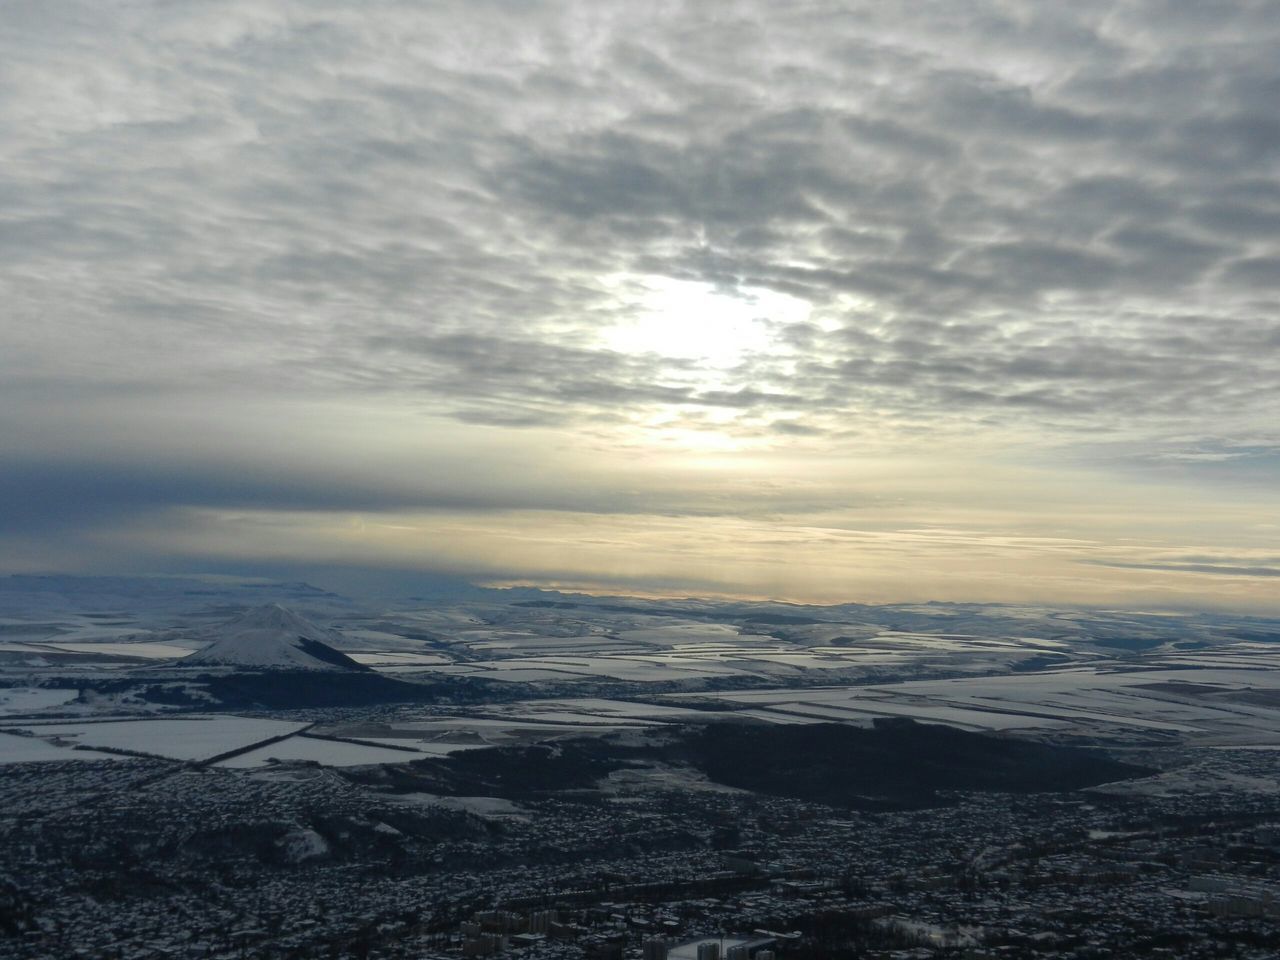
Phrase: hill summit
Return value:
(272, 637)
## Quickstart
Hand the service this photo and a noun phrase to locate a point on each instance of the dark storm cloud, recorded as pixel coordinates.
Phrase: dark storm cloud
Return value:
(1057, 219)
(88, 495)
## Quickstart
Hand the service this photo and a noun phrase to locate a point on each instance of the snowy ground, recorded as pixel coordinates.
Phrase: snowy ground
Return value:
(190, 738)
(23, 700)
(1020, 670)
(1213, 706)
(328, 753)
(19, 749)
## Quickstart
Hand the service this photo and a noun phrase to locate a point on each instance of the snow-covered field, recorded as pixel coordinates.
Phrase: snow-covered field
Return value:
(189, 738)
(329, 753)
(19, 700)
(1212, 706)
(18, 749)
(696, 650)
(144, 650)
(391, 658)
(512, 723)
(1115, 675)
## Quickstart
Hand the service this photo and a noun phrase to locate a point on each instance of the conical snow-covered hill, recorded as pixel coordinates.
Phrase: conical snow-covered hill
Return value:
(271, 637)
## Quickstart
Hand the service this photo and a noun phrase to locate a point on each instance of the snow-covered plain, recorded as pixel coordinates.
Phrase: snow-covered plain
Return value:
(1212, 706)
(1027, 671)
(18, 700)
(18, 749)
(144, 650)
(508, 724)
(189, 738)
(392, 658)
(329, 753)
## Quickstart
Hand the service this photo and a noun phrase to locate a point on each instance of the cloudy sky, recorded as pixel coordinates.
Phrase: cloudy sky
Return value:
(964, 300)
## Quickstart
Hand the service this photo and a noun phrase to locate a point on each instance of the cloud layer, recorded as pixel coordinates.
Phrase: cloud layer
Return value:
(995, 232)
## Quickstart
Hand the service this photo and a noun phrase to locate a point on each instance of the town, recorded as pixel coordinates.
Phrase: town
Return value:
(135, 858)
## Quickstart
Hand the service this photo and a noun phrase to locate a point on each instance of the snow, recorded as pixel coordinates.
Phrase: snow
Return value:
(867, 709)
(329, 753)
(17, 749)
(303, 844)
(439, 736)
(15, 700)
(765, 713)
(1190, 781)
(271, 637)
(1219, 709)
(438, 748)
(683, 633)
(640, 668)
(391, 658)
(150, 651)
(530, 675)
(185, 739)
(597, 707)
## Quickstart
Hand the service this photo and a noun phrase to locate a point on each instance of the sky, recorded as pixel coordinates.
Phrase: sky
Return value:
(975, 300)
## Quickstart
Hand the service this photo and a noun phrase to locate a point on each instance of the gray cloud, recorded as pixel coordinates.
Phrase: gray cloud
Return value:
(1215, 569)
(1019, 218)
(995, 156)
(88, 494)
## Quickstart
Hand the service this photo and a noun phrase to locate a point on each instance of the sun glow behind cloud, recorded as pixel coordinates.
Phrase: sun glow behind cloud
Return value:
(702, 338)
(706, 329)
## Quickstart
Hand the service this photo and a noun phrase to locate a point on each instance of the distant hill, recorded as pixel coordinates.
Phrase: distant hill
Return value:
(897, 765)
(156, 599)
(272, 637)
